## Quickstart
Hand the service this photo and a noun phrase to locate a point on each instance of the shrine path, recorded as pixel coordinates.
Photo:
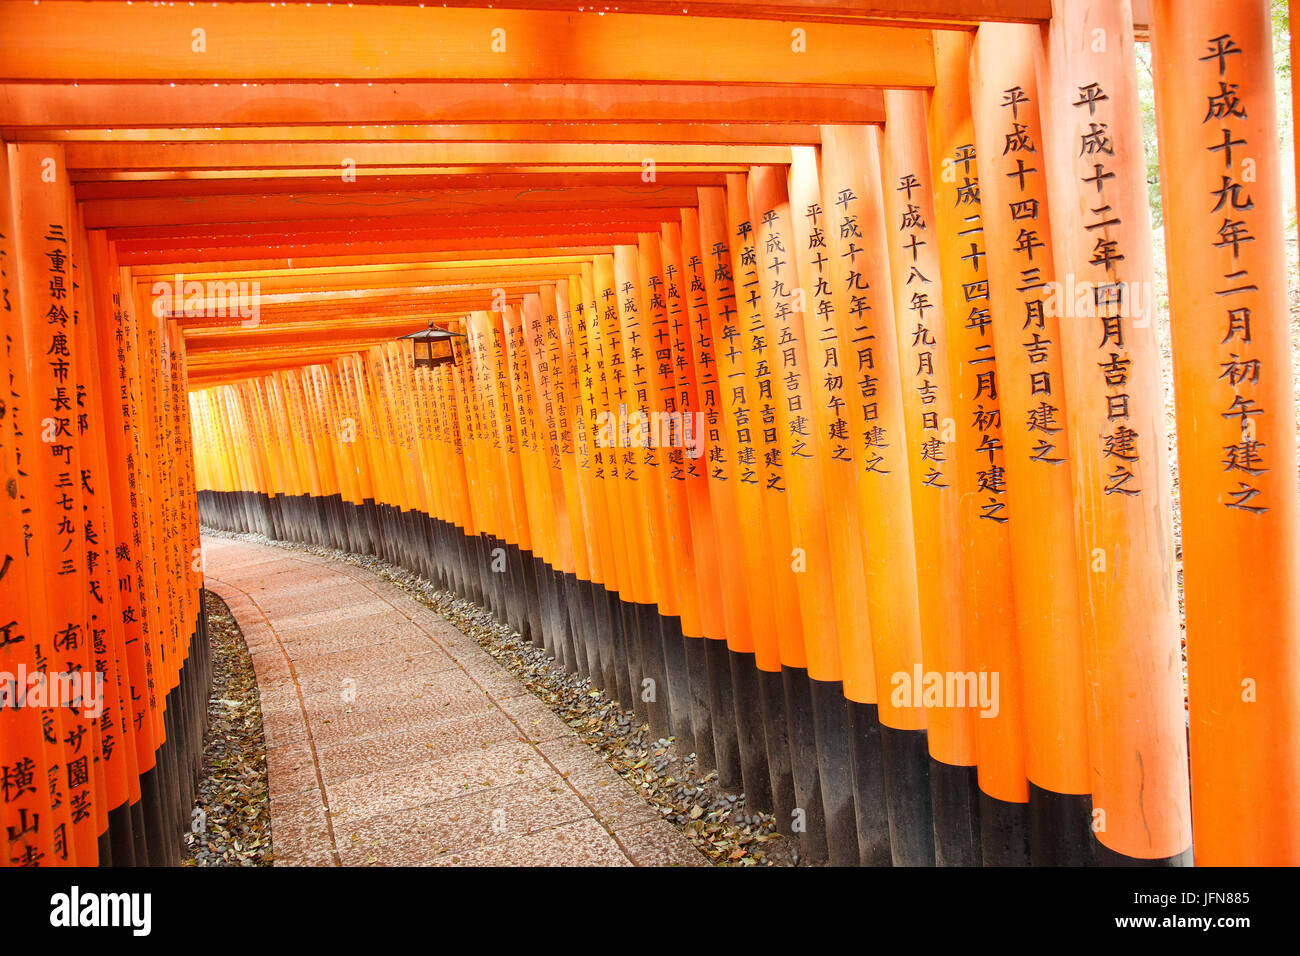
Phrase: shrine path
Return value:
(394, 739)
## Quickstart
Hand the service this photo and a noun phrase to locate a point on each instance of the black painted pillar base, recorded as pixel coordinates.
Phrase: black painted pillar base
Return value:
(481, 558)
(1060, 828)
(620, 688)
(546, 596)
(597, 599)
(577, 626)
(516, 591)
(564, 634)
(652, 669)
(781, 740)
(697, 667)
(499, 576)
(533, 608)
(835, 771)
(749, 731)
(1105, 856)
(868, 767)
(722, 707)
(582, 618)
(678, 676)
(807, 821)
(460, 561)
(907, 794)
(120, 838)
(155, 824)
(140, 845)
(632, 659)
(954, 795)
(1004, 832)
(498, 565)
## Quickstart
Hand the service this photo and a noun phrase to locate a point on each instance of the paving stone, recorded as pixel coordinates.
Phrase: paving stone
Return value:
(656, 843)
(537, 721)
(468, 771)
(584, 843)
(570, 755)
(438, 757)
(413, 745)
(611, 798)
(291, 769)
(471, 821)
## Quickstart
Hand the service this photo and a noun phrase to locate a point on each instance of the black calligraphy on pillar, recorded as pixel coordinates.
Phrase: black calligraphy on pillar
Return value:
(1244, 456)
(823, 307)
(787, 337)
(706, 367)
(875, 437)
(738, 385)
(979, 360)
(920, 329)
(1045, 419)
(1119, 442)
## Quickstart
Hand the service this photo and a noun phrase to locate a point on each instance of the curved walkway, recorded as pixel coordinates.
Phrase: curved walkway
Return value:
(394, 739)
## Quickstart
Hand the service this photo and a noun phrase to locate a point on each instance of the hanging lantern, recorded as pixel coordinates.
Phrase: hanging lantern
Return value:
(433, 346)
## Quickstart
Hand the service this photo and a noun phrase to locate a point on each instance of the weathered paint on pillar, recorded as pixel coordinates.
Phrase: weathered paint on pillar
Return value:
(931, 429)
(1222, 183)
(1124, 549)
(978, 473)
(1028, 384)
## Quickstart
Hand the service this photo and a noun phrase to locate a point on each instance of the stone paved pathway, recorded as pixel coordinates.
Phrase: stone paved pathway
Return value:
(394, 739)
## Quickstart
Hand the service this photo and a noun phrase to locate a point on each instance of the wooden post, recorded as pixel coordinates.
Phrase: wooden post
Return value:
(1101, 230)
(44, 249)
(711, 291)
(864, 321)
(919, 306)
(830, 393)
(1028, 386)
(978, 472)
(784, 308)
(1222, 183)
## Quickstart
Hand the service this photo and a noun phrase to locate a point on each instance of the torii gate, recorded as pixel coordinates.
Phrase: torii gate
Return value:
(897, 258)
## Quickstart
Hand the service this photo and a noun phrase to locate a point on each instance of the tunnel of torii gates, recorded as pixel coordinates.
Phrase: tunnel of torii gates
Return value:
(806, 395)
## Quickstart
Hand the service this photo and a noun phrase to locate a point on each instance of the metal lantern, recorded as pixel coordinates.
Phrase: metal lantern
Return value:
(433, 346)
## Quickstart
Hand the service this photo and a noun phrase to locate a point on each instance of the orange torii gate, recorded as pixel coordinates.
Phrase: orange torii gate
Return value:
(817, 416)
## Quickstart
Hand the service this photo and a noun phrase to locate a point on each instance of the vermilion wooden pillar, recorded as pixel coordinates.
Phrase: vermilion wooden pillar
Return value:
(919, 307)
(1028, 386)
(584, 360)
(45, 253)
(671, 508)
(1101, 227)
(784, 308)
(1222, 183)
(712, 305)
(742, 557)
(621, 464)
(27, 815)
(829, 393)
(631, 400)
(986, 603)
(698, 593)
(864, 321)
(750, 360)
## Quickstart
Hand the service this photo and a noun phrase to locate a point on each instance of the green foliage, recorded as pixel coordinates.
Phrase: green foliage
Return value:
(1147, 100)
(1282, 69)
